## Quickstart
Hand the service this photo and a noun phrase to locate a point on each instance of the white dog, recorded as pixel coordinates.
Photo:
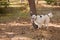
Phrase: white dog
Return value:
(39, 20)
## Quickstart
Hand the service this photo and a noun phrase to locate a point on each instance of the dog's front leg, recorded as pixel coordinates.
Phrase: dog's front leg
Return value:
(39, 26)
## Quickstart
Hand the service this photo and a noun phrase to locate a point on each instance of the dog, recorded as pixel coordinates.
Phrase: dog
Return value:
(41, 20)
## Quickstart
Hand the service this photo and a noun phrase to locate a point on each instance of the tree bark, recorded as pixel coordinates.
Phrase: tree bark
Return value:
(8, 0)
(32, 7)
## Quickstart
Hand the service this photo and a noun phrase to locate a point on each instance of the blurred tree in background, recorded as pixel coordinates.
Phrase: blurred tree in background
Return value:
(32, 7)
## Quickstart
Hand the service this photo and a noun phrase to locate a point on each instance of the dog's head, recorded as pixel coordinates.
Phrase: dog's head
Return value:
(50, 15)
(33, 18)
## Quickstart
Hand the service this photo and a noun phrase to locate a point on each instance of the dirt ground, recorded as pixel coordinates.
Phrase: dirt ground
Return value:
(26, 32)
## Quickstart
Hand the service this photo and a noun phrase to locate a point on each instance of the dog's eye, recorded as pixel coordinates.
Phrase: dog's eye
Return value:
(40, 16)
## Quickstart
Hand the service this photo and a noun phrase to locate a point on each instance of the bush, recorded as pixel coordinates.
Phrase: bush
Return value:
(4, 4)
(49, 1)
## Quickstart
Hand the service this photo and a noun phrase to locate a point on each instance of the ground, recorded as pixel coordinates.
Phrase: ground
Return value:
(17, 31)
(10, 30)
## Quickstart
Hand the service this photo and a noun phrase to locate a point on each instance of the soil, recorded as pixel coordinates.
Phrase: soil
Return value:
(25, 31)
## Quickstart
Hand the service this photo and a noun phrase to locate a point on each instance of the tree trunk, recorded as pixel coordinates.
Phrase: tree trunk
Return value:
(32, 7)
(8, 0)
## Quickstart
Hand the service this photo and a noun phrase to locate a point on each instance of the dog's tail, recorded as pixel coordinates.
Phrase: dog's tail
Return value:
(50, 14)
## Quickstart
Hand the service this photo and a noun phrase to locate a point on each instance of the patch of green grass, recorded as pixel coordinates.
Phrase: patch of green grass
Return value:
(13, 16)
